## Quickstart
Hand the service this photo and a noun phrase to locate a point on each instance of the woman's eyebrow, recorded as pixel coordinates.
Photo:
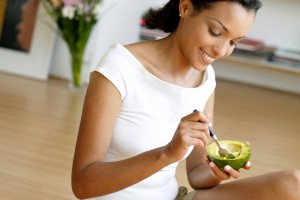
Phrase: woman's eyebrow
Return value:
(224, 27)
(219, 22)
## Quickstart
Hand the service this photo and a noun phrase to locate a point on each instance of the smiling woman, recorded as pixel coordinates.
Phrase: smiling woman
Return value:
(138, 121)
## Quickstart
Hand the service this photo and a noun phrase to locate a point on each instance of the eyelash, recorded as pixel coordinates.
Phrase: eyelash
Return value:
(218, 35)
(213, 33)
(232, 43)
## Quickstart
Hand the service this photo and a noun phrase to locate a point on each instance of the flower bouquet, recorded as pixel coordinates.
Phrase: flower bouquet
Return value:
(75, 20)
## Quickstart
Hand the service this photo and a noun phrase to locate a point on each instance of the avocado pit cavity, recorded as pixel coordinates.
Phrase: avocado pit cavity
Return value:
(234, 148)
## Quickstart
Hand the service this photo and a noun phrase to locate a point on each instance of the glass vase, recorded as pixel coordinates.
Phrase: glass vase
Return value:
(77, 69)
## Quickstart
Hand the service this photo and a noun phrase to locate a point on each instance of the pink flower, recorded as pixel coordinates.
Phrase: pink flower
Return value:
(71, 2)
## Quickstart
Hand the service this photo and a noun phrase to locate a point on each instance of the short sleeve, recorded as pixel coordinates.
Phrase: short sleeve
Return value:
(111, 66)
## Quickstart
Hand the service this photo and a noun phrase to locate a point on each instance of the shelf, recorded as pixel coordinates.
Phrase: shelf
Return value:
(289, 68)
(259, 72)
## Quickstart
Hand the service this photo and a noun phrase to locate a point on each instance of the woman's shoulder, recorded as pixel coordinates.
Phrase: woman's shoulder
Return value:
(140, 49)
(120, 58)
(138, 45)
(134, 49)
(144, 52)
(116, 54)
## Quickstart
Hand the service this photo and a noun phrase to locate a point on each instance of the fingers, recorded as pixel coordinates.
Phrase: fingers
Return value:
(191, 131)
(194, 128)
(247, 166)
(232, 172)
(200, 116)
(202, 119)
(199, 138)
(222, 174)
(188, 133)
(191, 135)
(217, 173)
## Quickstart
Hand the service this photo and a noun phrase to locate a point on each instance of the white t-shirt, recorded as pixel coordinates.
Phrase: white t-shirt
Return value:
(150, 113)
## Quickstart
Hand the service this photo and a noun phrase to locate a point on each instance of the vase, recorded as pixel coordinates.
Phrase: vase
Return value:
(75, 21)
(77, 68)
(76, 33)
(77, 51)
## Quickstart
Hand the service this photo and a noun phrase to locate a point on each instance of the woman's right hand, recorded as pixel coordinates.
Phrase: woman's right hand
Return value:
(191, 131)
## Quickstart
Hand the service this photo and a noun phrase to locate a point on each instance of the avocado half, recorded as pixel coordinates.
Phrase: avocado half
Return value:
(241, 151)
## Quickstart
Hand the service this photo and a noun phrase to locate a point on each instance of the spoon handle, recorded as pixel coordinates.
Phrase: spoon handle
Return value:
(211, 133)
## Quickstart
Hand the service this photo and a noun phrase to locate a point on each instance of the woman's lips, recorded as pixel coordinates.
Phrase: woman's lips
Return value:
(206, 58)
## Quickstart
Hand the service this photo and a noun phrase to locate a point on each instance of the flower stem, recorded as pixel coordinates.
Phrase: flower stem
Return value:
(77, 61)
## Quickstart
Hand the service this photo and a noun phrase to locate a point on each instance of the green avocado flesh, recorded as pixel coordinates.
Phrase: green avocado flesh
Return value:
(240, 150)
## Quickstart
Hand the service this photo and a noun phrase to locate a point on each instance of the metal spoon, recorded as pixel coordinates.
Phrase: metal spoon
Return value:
(222, 151)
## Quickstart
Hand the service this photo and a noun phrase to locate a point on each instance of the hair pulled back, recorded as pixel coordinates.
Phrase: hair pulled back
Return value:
(167, 17)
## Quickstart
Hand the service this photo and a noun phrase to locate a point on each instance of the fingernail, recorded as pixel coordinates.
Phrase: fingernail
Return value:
(211, 164)
(248, 164)
(209, 124)
(227, 168)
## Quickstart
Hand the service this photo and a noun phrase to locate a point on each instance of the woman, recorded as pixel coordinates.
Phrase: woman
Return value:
(138, 118)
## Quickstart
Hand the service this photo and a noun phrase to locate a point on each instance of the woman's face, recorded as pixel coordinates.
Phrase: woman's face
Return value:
(212, 33)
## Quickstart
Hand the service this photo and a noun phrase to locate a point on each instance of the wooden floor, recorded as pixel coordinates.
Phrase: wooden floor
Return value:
(39, 121)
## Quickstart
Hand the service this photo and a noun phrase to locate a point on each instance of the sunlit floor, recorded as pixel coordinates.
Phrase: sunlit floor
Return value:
(39, 122)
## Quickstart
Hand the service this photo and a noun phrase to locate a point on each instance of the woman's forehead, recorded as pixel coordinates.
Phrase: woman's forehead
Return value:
(230, 16)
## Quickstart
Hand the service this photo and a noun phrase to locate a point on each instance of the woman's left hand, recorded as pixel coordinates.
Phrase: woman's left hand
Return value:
(226, 173)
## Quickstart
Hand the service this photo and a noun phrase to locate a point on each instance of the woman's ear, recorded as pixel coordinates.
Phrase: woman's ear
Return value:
(184, 7)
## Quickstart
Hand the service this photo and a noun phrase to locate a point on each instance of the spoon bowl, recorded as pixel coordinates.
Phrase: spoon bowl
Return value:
(222, 151)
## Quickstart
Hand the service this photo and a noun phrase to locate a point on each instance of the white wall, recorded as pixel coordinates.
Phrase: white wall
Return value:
(119, 23)
(277, 23)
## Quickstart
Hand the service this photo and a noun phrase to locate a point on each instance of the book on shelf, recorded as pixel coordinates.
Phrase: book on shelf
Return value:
(265, 53)
(250, 44)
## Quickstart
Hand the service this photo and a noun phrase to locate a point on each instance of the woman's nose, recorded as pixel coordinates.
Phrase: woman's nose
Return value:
(222, 49)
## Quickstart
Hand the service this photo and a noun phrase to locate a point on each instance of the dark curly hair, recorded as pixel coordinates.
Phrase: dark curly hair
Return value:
(167, 17)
